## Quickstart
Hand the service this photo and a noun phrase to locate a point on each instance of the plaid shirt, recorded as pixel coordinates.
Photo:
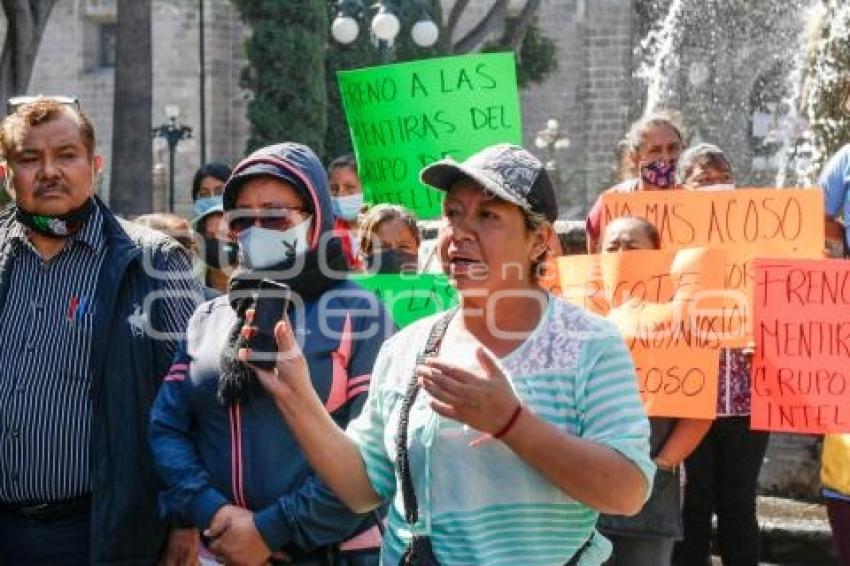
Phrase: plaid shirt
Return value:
(733, 392)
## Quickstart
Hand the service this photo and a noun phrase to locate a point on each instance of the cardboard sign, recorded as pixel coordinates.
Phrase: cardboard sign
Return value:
(801, 364)
(410, 297)
(745, 223)
(667, 305)
(408, 115)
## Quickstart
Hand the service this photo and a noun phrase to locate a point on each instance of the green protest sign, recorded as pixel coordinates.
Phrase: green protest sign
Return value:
(410, 297)
(405, 116)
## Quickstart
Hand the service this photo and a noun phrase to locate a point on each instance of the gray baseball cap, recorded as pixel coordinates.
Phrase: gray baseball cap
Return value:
(507, 171)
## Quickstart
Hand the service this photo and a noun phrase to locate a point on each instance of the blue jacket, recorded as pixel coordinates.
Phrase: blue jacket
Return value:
(126, 367)
(835, 182)
(209, 455)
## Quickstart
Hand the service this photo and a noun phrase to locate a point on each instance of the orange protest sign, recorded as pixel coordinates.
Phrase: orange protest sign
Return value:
(667, 306)
(801, 377)
(745, 223)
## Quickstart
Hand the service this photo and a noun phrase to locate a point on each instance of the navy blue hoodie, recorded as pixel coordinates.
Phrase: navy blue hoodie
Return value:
(209, 455)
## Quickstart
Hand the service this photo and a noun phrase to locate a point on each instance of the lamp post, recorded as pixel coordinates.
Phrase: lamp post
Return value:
(803, 152)
(385, 25)
(202, 82)
(552, 139)
(173, 133)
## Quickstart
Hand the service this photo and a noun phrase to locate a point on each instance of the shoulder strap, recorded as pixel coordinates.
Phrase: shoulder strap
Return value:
(411, 506)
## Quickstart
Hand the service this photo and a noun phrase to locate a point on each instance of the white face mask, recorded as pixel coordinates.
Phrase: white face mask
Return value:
(265, 248)
(715, 188)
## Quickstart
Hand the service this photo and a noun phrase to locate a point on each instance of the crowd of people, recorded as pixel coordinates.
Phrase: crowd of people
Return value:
(148, 416)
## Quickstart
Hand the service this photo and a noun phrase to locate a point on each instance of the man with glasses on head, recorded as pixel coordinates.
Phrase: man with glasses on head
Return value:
(16, 102)
(90, 310)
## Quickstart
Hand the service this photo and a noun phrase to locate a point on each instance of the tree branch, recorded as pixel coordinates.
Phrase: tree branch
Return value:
(514, 40)
(454, 18)
(21, 27)
(26, 20)
(6, 75)
(42, 10)
(477, 34)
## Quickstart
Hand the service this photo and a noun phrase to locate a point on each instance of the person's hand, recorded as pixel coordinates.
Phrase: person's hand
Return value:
(181, 548)
(235, 538)
(291, 374)
(222, 519)
(665, 465)
(481, 399)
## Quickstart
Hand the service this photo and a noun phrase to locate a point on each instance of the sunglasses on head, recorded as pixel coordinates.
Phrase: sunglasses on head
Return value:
(17, 101)
(282, 218)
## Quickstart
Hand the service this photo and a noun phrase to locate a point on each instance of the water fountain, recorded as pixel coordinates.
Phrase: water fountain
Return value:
(728, 67)
(661, 60)
(828, 84)
(793, 131)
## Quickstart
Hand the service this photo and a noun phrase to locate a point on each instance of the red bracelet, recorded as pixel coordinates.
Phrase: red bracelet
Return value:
(502, 431)
(511, 422)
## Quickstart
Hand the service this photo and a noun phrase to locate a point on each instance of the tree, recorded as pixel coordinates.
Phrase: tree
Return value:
(293, 61)
(514, 29)
(357, 54)
(535, 52)
(132, 156)
(828, 84)
(536, 58)
(26, 20)
(286, 72)
(361, 53)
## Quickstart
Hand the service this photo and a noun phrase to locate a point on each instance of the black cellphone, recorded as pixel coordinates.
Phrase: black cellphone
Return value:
(271, 302)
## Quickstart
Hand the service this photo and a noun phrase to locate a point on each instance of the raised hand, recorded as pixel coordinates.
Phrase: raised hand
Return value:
(291, 374)
(482, 399)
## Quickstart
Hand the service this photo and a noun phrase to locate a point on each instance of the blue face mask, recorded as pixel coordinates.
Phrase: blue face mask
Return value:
(204, 205)
(348, 207)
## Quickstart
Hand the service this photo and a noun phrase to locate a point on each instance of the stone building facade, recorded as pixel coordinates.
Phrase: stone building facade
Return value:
(76, 57)
(722, 67)
(589, 94)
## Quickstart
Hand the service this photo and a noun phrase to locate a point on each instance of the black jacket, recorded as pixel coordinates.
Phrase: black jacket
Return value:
(126, 366)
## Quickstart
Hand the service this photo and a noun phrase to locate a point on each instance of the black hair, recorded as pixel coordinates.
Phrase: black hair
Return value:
(706, 155)
(642, 224)
(634, 137)
(219, 171)
(346, 160)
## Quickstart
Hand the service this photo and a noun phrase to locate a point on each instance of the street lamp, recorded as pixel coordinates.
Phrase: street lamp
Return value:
(385, 24)
(425, 32)
(173, 132)
(551, 138)
(345, 28)
(384, 27)
(804, 150)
